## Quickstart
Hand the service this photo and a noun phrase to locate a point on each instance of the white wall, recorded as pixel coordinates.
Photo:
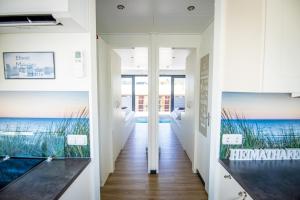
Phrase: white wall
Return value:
(94, 177)
(216, 99)
(203, 142)
(112, 134)
(106, 149)
(63, 46)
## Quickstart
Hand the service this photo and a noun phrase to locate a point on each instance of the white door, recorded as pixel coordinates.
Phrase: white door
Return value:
(109, 64)
(203, 131)
(188, 135)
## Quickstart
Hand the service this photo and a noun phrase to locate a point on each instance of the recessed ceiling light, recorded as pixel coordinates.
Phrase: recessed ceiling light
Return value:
(120, 6)
(191, 8)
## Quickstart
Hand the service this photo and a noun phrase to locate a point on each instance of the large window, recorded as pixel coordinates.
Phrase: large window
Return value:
(141, 93)
(165, 94)
(135, 92)
(126, 89)
(179, 93)
(171, 92)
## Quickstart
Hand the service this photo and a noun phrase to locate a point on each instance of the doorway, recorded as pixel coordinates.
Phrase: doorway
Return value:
(124, 98)
(177, 78)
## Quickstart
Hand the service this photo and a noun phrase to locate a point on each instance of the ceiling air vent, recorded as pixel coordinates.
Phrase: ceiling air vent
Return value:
(28, 20)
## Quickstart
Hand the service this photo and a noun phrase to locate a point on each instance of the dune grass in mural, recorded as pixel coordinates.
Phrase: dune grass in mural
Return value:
(254, 135)
(46, 141)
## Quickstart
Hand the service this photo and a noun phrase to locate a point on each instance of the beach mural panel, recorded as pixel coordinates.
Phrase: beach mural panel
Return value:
(37, 124)
(265, 121)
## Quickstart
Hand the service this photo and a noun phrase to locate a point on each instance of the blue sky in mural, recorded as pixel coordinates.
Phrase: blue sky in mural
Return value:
(37, 111)
(41, 104)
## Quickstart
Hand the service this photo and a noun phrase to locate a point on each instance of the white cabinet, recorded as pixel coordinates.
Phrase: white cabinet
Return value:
(243, 45)
(261, 46)
(229, 189)
(282, 46)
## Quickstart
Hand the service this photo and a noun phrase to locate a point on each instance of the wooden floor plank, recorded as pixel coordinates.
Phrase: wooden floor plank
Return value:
(175, 181)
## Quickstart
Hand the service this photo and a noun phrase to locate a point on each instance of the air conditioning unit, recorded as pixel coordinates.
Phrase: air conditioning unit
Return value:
(43, 16)
(28, 20)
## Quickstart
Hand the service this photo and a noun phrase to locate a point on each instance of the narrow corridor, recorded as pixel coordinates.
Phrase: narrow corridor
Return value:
(174, 181)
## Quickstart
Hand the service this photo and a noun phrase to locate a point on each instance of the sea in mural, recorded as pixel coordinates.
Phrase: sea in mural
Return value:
(36, 124)
(264, 120)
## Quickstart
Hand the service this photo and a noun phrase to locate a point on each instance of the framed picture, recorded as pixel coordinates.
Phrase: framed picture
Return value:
(204, 117)
(29, 65)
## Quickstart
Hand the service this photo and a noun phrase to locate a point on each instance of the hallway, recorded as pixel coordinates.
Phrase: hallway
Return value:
(131, 180)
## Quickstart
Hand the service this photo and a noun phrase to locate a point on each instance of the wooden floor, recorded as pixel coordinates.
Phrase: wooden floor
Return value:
(174, 181)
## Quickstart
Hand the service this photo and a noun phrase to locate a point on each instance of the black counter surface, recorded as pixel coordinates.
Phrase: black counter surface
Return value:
(267, 180)
(47, 181)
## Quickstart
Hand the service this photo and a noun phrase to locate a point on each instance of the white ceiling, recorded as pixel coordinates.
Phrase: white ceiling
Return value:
(137, 59)
(132, 59)
(160, 16)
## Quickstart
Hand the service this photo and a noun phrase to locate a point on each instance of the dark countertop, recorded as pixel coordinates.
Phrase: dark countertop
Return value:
(267, 180)
(47, 181)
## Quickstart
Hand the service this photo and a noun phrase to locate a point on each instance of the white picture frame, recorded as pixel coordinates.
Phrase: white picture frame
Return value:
(29, 65)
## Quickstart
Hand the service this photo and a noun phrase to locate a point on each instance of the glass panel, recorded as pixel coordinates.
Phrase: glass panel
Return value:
(179, 93)
(43, 137)
(126, 89)
(30, 137)
(141, 94)
(164, 94)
